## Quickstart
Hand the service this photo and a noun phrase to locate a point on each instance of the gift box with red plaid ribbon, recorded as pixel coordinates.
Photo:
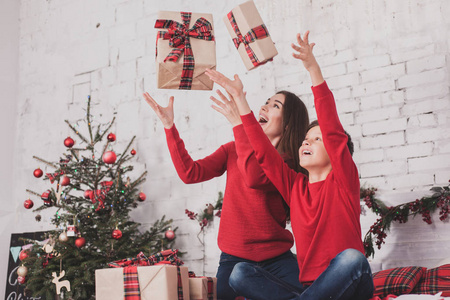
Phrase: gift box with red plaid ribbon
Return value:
(185, 48)
(250, 36)
(203, 288)
(158, 277)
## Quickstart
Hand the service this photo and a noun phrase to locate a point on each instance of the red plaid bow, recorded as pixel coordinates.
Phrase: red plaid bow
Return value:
(179, 38)
(252, 35)
(100, 195)
(54, 176)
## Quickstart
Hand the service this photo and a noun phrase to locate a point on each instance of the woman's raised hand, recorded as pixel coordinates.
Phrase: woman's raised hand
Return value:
(234, 87)
(165, 114)
(227, 107)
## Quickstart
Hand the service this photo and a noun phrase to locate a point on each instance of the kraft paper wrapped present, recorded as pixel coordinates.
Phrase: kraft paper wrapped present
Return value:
(185, 48)
(250, 36)
(158, 282)
(203, 288)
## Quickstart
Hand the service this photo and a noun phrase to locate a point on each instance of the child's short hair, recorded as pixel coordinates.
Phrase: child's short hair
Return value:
(349, 140)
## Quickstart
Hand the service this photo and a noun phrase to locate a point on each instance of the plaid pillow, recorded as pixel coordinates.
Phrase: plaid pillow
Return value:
(396, 281)
(434, 281)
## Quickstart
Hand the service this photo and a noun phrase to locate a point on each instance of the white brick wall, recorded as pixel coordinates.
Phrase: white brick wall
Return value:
(387, 61)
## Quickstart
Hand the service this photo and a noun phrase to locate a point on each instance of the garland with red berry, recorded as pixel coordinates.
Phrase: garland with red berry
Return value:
(207, 214)
(440, 199)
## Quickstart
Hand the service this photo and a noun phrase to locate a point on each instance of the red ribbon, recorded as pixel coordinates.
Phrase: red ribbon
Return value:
(252, 35)
(54, 176)
(100, 195)
(179, 38)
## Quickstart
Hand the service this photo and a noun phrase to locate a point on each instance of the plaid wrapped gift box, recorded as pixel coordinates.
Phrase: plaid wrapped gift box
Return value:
(158, 277)
(184, 50)
(203, 288)
(250, 36)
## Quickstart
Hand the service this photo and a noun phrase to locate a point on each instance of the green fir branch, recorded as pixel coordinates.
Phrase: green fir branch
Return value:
(45, 162)
(77, 132)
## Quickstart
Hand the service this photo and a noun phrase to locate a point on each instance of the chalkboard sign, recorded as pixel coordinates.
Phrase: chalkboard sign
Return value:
(14, 290)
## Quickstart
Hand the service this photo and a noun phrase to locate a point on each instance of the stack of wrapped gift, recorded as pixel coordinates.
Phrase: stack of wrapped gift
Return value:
(202, 288)
(185, 48)
(250, 35)
(159, 277)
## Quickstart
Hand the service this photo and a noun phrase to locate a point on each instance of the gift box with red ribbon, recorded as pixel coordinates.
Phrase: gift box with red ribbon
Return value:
(203, 288)
(185, 48)
(250, 36)
(158, 277)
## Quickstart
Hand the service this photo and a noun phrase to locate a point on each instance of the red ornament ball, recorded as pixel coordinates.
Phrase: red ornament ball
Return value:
(170, 235)
(21, 279)
(65, 181)
(133, 152)
(111, 137)
(28, 203)
(109, 157)
(80, 242)
(38, 173)
(23, 254)
(88, 194)
(142, 197)
(69, 142)
(116, 234)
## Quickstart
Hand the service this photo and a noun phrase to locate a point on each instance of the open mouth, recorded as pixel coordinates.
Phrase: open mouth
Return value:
(262, 120)
(306, 152)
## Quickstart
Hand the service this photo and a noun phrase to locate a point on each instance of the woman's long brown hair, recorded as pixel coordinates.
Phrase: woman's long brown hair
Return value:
(295, 124)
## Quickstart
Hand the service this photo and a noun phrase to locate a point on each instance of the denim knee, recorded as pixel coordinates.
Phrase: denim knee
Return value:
(354, 258)
(237, 277)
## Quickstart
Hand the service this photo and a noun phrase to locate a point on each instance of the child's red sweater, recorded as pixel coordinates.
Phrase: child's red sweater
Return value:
(325, 215)
(252, 225)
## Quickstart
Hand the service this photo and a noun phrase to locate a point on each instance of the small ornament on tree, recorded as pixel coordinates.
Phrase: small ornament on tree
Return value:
(60, 284)
(80, 242)
(65, 181)
(116, 234)
(38, 217)
(133, 152)
(170, 234)
(142, 197)
(69, 142)
(111, 137)
(63, 237)
(38, 173)
(72, 230)
(88, 194)
(23, 254)
(28, 203)
(21, 279)
(22, 271)
(109, 157)
(46, 198)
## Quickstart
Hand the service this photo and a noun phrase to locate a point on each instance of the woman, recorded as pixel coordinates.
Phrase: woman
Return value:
(252, 227)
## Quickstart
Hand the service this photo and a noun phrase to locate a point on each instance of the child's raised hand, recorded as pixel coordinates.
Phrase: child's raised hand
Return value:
(305, 54)
(304, 51)
(227, 107)
(165, 114)
(234, 87)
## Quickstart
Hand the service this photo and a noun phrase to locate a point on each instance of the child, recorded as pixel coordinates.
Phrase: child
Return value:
(251, 202)
(325, 206)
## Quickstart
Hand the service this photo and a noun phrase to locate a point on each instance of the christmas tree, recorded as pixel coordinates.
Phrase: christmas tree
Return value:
(92, 197)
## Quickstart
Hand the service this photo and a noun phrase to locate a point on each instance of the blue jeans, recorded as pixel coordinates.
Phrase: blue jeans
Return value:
(347, 277)
(284, 268)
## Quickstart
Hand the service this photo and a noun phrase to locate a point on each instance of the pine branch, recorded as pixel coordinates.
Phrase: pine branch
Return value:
(33, 193)
(138, 181)
(77, 132)
(106, 130)
(45, 162)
